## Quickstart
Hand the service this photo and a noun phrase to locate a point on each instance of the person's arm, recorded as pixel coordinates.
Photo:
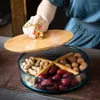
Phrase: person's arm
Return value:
(45, 12)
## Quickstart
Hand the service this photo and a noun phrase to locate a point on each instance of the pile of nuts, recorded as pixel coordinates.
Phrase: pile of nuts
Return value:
(33, 65)
(73, 60)
(54, 77)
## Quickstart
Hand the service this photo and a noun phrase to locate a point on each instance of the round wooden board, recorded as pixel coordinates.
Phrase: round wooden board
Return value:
(52, 38)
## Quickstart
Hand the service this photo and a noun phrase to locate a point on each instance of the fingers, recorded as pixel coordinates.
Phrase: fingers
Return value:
(29, 30)
(35, 19)
(35, 23)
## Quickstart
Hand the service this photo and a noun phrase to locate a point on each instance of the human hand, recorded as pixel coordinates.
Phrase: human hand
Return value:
(35, 23)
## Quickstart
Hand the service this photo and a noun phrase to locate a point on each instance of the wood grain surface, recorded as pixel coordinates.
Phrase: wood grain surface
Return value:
(52, 38)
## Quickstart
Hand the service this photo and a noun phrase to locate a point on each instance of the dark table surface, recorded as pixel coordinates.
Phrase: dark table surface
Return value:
(12, 89)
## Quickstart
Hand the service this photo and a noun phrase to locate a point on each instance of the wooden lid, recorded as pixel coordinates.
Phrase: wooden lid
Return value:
(52, 38)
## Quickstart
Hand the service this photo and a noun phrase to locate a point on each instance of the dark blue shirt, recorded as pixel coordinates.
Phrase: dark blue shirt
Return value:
(84, 21)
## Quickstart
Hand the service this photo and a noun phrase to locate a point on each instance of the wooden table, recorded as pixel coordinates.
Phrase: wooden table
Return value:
(12, 88)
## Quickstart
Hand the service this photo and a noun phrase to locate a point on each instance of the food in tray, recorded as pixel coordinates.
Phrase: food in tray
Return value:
(34, 65)
(73, 60)
(60, 74)
(38, 33)
(56, 77)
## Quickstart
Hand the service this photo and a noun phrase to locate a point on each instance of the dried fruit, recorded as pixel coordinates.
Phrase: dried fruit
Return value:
(52, 70)
(46, 82)
(74, 82)
(57, 77)
(43, 75)
(65, 81)
(53, 87)
(61, 87)
(39, 86)
(60, 72)
(66, 75)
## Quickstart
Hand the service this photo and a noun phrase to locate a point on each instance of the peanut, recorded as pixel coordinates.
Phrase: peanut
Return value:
(38, 63)
(46, 63)
(32, 72)
(42, 63)
(36, 68)
(27, 66)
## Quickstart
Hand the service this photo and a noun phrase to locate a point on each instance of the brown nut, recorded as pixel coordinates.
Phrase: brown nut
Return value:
(42, 63)
(35, 68)
(37, 63)
(23, 63)
(32, 72)
(31, 62)
(47, 82)
(83, 66)
(74, 65)
(76, 69)
(46, 63)
(72, 59)
(80, 60)
(63, 61)
(68, 65)
(77, 55)
(27, 66)
(32, 58)
(26, 60)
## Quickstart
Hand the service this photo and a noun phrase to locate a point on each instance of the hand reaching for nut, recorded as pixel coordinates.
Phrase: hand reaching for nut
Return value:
(35, 27)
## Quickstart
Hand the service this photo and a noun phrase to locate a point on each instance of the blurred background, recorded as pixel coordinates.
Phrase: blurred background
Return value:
(11, 13)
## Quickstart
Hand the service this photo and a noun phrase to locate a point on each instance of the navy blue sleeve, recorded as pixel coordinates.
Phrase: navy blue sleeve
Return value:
(57, 2)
